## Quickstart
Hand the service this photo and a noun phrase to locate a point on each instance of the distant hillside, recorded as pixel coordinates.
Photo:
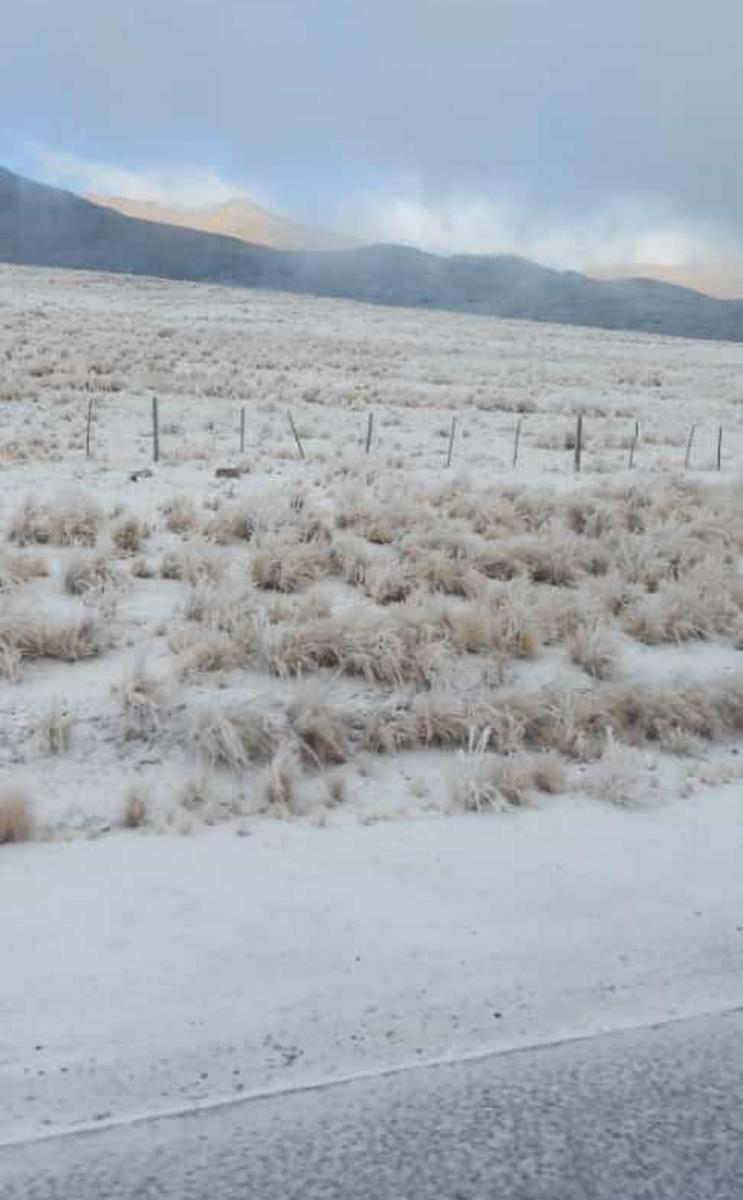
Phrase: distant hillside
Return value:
(238, 218)
(43, 226)
(723, 280)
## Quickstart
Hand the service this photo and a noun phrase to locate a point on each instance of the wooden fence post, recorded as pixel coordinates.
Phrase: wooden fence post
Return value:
(451, 441)
(88, 427)
(516, 440)
(687, 456)
(633, 444)
(155, 431)
(300, 447)
(242, 429)
(719, 448)
(578, 441)
(369, 430)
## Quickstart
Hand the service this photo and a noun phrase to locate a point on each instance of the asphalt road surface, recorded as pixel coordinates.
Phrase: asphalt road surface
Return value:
(637, 1115)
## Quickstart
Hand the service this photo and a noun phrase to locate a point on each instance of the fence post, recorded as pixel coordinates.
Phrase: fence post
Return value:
(578, 441)
(88, 427)
(516, 440)
(633, 445)
(451, 441)
(687, 456)
(155, 432)
(369, 430)
(300, 447)
(242, 429)
(719, 448)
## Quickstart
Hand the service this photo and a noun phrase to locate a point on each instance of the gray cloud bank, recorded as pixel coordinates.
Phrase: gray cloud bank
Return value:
(552, 125)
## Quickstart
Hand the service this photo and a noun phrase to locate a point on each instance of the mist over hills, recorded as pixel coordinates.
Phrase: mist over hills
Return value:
(44, 226)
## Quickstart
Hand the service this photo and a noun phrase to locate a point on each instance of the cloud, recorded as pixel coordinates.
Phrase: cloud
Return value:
(185, 187)
(629, 231)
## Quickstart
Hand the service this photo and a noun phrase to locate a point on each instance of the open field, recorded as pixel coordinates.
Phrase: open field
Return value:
(353, 637)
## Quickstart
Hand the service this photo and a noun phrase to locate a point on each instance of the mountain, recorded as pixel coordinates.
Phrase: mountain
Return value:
(723, 280)
(43, 226)
(239, 218)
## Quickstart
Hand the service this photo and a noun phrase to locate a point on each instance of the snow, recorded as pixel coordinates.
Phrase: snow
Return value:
(144, 970)
(158, 975)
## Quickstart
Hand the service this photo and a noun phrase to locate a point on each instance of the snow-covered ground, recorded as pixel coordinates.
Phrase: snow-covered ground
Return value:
(327, 762)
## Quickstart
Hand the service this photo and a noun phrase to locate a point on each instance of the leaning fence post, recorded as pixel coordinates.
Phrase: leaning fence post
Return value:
(88, 427)
(516, 440)
(633, 444)
(578, 440)
(719, 448)
(155, 432)
(300, 448)
(687, 456)
(369, 430)
(242, 429)
(451, 441)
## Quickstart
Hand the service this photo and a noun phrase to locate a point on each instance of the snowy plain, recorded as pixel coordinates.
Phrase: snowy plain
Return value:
(257, 862)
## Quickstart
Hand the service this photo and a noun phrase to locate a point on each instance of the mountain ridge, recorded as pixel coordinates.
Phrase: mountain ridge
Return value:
(45, 226)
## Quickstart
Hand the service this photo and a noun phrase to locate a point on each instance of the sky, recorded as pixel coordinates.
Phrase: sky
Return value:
(572, 131)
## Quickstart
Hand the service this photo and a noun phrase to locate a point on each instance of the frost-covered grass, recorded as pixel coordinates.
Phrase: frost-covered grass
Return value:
(180, 647)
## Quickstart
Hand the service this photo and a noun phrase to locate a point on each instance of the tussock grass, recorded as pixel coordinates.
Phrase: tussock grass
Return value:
(89, 571)
(19, 567)
(143, 700)
(594, 650)
(17, 822)
(71, 520)
(128, 534)
(136, 804)
(53, 728)
(67, 639)
(322, 730)
(374, 647)
(236, 737)
(181, 515)
(482, 781)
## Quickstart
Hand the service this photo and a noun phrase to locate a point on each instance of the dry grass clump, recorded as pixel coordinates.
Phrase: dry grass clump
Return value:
(708, 603)
(232, 631)
(128, 534)
(352, 559)
(67, 639)
(236, 737)
(136, 804)
(89, 571)
(71, 520)
(283, 565)
(594, 650)
(53, 728)
(486, 782)
(674, 716)
(143, 700)
(440, 573)
(195, 794)
(388, 582)
(20, 567)
(501, 625)
(181, 515)
(322, 730)
(16, 816)
(194, 564)
(280, 785)
(232, 523)
(379, 648)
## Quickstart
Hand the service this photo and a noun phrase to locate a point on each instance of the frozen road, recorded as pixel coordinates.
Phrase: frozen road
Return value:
(639, 1115)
